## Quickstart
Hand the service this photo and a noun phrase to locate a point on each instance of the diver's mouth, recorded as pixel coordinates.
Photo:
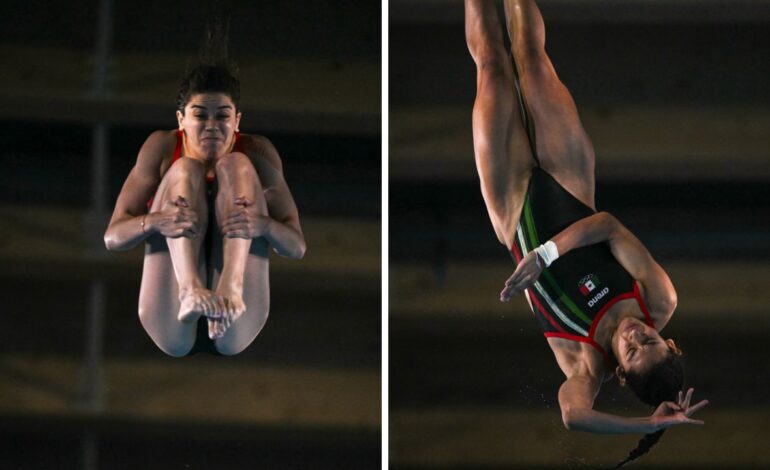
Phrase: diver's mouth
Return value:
(630, 326)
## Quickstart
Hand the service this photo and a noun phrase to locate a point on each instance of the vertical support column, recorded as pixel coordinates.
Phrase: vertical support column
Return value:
(100, 145)
(93, 383)
(92, 391)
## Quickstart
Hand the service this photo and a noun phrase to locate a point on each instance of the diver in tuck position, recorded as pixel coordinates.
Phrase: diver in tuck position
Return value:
(596, 291)
(218, 201)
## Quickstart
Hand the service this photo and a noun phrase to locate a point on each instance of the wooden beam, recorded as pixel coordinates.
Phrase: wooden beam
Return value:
(340, 250)
(634, 142)
(472, 290)
(518, 439)
(170, 391)
(278, 95)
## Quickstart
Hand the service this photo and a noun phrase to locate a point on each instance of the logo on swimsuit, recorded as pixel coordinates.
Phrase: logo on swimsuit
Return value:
(598, 296)
(588, 284)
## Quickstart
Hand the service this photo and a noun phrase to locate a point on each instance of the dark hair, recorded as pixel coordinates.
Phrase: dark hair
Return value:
(661, 383)
(214, 71)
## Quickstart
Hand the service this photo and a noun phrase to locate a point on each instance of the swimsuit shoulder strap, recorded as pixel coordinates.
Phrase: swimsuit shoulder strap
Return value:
(643, 305)
(178, 149)
(238, 145)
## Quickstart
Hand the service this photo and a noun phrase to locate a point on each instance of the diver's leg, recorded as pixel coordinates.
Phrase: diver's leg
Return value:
(173, 262)
(503, 158)
(562, 146)
(243, 279)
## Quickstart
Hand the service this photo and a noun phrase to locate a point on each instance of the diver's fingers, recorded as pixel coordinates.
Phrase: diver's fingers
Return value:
(696, 407)
(687, 398)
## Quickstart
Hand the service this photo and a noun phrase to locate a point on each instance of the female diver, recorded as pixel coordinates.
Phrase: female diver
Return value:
(218, 200)
(604, 300)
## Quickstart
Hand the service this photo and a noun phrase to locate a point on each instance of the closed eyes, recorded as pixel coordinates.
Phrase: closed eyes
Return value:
(632, 351)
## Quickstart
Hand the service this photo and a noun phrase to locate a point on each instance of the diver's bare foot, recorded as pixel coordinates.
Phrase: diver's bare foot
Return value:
(218, 326)
(233, 295)
(197, 301)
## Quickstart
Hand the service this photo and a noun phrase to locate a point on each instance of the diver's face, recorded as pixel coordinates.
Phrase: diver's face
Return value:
(638, 347)
(210, 121)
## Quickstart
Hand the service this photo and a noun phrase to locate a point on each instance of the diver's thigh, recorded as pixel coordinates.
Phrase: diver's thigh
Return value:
(561, 144)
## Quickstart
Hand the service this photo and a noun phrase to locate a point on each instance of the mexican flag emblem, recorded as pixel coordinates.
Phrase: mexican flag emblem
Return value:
(588, 284)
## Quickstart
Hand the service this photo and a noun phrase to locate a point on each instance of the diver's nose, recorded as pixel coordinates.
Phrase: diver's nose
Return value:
(632, 335)
(637, 335)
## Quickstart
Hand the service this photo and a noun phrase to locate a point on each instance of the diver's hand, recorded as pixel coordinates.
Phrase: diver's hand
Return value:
(245, 221)
(670, 414)
(526, 274)
(174, 220)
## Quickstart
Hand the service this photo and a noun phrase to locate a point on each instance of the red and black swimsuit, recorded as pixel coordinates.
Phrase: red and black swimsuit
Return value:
(571, 296)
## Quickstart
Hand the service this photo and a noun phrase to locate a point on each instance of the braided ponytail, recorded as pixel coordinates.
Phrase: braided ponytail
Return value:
(642, 448)
(661, 383)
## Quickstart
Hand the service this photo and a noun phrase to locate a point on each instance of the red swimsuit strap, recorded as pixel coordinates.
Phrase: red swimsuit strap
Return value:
(635, 294)
(581, 339)
(238, 145)
(643, 306)
(178, 149)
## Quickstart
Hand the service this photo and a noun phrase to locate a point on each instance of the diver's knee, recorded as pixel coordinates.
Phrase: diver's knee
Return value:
(492, 62)
(233, 162)
(534, 63)
(188, 167)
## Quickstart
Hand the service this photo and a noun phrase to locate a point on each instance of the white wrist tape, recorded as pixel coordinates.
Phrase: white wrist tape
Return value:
(548, 252)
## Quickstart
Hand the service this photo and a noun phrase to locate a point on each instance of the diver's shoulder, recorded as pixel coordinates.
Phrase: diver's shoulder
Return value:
(260, 147)
(159, 144)
(578, 358)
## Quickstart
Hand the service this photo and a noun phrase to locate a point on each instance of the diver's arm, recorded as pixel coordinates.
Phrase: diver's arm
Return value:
(284, 231)
(125, 229)
(659, 292)
(576, 397)
(281, 228)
